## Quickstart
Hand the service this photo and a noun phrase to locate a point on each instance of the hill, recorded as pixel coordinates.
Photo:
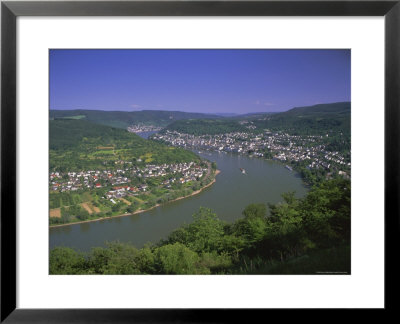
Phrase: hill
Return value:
(315, 119)
(76, 144)
(123, 119)
(310, 120)
(331, 108)
(254, 114)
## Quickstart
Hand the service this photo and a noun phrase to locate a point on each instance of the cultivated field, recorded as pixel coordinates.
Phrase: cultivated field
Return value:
(55, 212)
(86, 206)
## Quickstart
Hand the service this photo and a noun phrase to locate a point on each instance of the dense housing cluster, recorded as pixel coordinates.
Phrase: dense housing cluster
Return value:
(308, 151)
(143, 128)
(92, 194)
(72, 181)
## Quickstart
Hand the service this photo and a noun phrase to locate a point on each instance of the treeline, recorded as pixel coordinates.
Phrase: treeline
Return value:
(307, 235)
(311, 120)
(320, 119)
(123, 119)
(60, 199)
(306, 126)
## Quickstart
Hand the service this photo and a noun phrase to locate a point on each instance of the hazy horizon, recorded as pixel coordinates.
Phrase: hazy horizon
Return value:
(202, 81)
(215, 113)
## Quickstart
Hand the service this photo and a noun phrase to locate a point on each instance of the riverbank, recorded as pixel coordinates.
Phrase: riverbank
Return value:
(264, 182)
(295, 168)
(141, 210)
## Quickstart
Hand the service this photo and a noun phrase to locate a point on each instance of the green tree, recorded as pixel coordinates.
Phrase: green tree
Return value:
(177, 259)
(116, 258)
(206, 232)
(255, 211)
(146, 260)
(65, 260)
(326, 212)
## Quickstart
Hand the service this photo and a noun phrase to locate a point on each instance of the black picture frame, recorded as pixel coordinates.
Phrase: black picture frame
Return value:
(10, 10)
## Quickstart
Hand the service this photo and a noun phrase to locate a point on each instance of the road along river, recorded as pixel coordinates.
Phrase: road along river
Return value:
(263, 182)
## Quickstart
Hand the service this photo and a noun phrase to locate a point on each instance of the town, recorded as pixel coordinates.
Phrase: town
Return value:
(143, 128)
(72, 181)
(93, 194)
(307, 151)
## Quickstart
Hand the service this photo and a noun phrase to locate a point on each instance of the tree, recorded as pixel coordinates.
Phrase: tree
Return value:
(203, 235)
(177, 259)
(233, 244)
(255, 211)
(116, 258)
(146, 260)
(65, 260)
(65, 215)
(82, 214)
(326, 210)
(249, 229)
(206, 232)
(131, 208)
(115, 208)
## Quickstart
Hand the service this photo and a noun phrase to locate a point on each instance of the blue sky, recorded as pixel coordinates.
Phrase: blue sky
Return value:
(221, 81)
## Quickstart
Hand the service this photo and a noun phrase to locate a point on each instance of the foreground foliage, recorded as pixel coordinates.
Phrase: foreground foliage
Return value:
(299, 236)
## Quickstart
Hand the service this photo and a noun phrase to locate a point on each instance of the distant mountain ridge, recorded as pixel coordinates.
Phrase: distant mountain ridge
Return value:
(330, 108)
(308, 119)
(254, 114)
(123, 119)
(316, 119)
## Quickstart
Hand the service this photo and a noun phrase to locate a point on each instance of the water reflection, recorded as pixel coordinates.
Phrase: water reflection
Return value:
(84, 227)
(134, 218)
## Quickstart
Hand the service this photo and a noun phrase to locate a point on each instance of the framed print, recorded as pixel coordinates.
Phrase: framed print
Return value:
(197, 155)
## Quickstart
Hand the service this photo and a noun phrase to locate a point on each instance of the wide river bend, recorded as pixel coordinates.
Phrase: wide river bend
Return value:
(264, 182)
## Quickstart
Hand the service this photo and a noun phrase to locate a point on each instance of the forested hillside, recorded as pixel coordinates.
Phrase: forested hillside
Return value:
(311, 120)
(77, 144)
(123, 119)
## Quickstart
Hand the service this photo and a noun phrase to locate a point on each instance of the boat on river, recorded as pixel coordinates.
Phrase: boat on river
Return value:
(288, 167)
(243, 170)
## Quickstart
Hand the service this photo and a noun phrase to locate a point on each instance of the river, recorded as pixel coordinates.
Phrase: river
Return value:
(264, 182)
(146, 135)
